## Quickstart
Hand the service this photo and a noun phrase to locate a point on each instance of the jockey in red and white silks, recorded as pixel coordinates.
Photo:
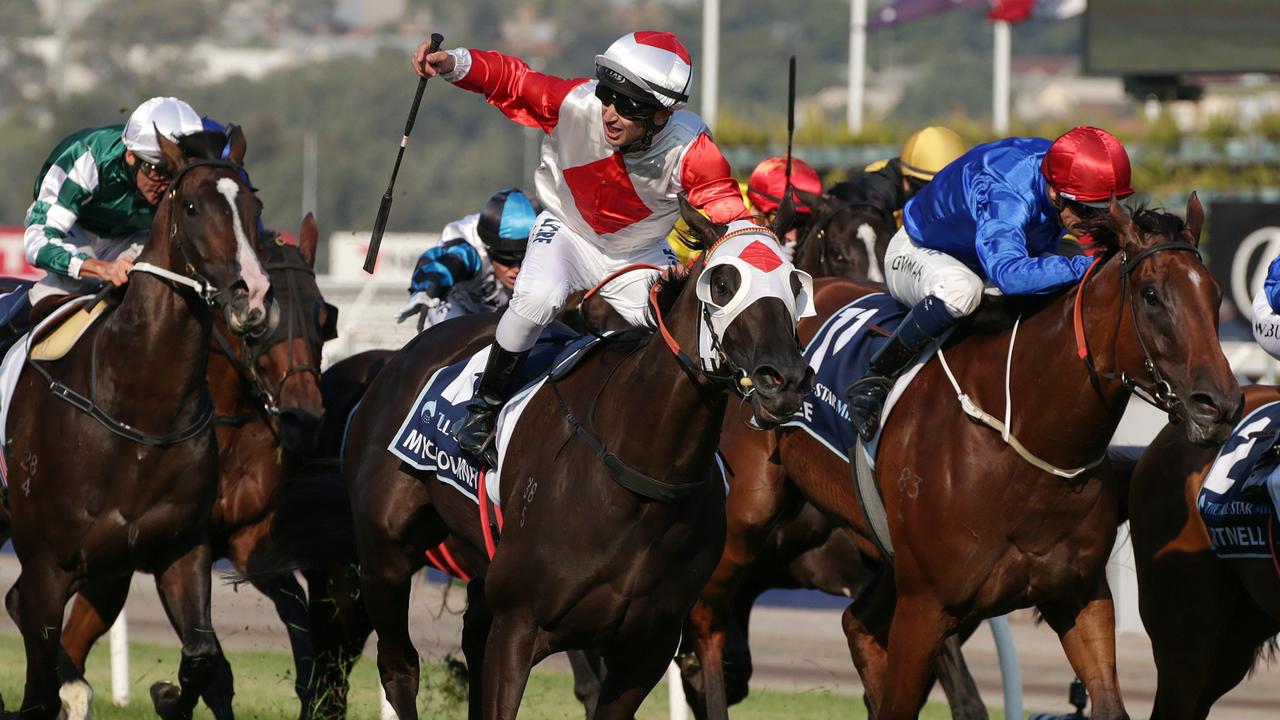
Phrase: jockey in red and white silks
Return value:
(618, 152)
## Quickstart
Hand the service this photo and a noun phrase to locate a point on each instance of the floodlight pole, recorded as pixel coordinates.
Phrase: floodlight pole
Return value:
(710, 61)
(857, 63)
(1000, 77)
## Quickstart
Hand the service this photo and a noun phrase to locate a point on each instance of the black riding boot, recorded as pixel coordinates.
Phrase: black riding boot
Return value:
(926, 321)
(475, 436)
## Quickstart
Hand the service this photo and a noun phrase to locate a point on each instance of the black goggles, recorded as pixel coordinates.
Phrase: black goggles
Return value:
(1085, 212)
(509, 259)
(153, 171)
(625, 105)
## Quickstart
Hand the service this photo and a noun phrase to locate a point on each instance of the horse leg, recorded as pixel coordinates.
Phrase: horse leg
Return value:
(339, 628)
(957, 682)
(633, 672)
(588, 678)
(93, 610)
(184, 588)
(385, 578)
(290, 601)
(915, 638)
(508, 656)
(866, 629)
(1087, 629)
(36, 602)
(476, 622)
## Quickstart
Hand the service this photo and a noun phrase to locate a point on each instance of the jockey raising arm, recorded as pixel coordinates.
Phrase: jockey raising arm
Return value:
(618, 153)
(476, 264)
(95, 198)
(995, 215)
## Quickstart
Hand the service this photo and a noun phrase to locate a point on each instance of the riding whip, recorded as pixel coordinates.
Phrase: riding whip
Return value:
(384, 209)
(791, 119)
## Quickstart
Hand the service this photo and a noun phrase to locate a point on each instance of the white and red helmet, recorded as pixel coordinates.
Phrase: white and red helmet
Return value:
(648, 65)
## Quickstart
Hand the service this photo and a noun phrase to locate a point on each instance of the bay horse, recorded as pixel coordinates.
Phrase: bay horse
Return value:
(979, 531)
(1210, 619)
(112, 457)
(622, 576)
(268, 412)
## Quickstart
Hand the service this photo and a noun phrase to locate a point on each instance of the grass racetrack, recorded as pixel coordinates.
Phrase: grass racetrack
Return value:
(264, 689)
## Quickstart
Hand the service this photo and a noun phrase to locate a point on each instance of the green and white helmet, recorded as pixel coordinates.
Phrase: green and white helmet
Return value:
(171, 116)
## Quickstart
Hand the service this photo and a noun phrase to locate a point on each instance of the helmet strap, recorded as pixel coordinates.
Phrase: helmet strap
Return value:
(651, 128)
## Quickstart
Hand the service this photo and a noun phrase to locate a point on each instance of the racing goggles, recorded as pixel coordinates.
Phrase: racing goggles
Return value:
(154, 171)
(510, 259)
(625, 105)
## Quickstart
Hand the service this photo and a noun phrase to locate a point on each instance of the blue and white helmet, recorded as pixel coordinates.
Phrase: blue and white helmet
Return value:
(171, 116)
(505, 223)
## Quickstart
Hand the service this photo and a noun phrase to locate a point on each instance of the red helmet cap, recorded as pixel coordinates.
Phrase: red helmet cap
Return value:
(769, 180)
(1087, 165)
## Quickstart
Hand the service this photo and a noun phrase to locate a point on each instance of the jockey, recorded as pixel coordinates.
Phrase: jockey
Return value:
(475, 265)
(1266, 312)
(618, 152)
(96, 195)
(765, 189)
(993, 216)
(924, 154)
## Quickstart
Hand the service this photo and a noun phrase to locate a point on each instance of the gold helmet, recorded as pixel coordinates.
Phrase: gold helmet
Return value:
(929, 150)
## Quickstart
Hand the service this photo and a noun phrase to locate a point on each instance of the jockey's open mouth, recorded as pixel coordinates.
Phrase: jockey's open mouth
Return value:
(612, 127)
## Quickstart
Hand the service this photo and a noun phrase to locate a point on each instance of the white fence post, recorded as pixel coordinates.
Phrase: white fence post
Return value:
(677, 706)
(388, 713)
(120, 660)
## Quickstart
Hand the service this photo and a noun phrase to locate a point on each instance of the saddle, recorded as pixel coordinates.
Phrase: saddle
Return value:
(53, 340)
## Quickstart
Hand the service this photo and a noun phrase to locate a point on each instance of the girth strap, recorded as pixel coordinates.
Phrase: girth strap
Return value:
(622, 473)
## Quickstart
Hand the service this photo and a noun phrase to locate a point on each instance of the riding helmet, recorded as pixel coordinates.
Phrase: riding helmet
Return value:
(1087, 165)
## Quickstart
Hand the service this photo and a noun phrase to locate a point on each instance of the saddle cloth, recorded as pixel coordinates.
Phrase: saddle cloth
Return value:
(425, 440)
(1242, 490)
(15, 359)
(840, 354)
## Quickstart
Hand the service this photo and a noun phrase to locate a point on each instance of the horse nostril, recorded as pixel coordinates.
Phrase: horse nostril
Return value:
(1203, 405)
(767, 379)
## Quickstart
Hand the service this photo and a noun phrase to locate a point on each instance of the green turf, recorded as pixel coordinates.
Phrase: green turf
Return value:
(264, 689)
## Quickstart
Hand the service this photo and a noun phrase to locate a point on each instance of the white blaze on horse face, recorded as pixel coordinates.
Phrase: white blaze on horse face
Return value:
(867, 235)
(1195, 278)
(250, 269)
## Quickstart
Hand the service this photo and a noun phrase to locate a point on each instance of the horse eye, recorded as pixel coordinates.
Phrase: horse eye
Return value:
(190, 207)
(1149, 296)
(840, 258)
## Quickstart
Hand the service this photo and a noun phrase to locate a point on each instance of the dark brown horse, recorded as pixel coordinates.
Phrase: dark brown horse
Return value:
(978, 530)
(1210, 619)
(621, 574)
(268, 413)
(118, 471)
(848, 233)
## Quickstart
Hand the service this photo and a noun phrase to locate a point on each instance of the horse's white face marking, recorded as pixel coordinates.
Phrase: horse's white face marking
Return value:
(867, 235)
(1195, 278)
(250, 269)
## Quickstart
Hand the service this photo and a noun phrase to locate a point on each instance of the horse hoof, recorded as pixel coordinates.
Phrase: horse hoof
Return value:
(164, 696)
(76, 698)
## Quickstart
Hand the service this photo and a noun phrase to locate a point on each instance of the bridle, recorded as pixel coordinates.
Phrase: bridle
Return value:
(817, 231)
(194, 281)
(295, 323)
(1157, 391)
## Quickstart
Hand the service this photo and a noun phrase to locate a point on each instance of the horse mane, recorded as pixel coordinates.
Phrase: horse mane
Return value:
(670, 283)
(206, 145)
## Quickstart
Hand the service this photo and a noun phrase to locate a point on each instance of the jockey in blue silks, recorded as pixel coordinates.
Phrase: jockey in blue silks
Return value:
(1266, 312)
(994, 217)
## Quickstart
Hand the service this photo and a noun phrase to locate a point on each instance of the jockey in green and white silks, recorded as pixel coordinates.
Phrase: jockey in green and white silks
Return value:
(95, 198)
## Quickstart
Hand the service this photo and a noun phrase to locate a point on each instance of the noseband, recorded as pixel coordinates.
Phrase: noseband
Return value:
(1156, 391)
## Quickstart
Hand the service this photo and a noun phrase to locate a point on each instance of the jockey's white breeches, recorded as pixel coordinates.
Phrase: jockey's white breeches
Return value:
(560, 262)
(913, 273)
(94, 246)
(1266, 325)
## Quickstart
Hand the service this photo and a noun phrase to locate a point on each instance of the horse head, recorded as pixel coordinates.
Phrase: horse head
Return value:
(750, 299)
(284, 359)
(204, 225)
(1167, 336)
(847, 235)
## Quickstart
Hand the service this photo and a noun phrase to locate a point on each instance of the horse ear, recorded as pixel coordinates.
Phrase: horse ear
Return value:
(705, 230)
(1121, 222)
(171, 156)
(1195, 219)
(815, 203)
(237, 143)
(307, 238)
(785, 216)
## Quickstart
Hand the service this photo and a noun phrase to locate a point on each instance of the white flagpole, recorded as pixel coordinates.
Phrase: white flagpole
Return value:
(710, 60)
(857, 62)
(1000, 77)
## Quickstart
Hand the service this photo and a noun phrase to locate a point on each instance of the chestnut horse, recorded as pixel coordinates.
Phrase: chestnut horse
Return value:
(978, 530)
(584, 562)
(111, 453)
(1210, 619)
(268, 412)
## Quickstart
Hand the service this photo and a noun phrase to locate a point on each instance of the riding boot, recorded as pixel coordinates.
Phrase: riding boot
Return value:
(475, 436)
(926, 321)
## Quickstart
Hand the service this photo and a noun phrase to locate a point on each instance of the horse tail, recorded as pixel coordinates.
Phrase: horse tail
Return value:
(314, 526)
(1123, 459)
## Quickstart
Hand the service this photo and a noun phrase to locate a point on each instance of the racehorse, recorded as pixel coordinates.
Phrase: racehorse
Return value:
(622, 576)
(848, 233)
(113, 462)
(1210, 619)
(268, 412)
(976, 529)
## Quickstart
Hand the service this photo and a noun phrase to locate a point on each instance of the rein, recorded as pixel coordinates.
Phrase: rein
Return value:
(192, 280)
